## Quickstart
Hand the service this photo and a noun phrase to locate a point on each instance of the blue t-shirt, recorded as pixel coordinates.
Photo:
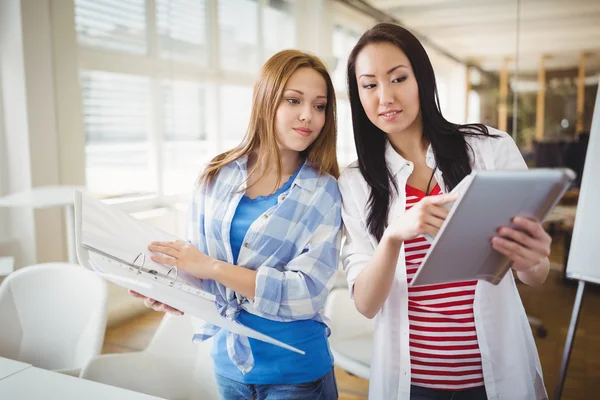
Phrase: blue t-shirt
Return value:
(272, 364)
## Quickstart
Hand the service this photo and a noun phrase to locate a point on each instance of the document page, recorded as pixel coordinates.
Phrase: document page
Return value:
(122, 237)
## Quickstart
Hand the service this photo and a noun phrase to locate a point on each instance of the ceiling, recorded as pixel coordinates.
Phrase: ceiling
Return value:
(485, 31)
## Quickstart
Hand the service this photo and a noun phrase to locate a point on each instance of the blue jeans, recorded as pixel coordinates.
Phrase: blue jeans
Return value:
(324, 388)
(421, 393)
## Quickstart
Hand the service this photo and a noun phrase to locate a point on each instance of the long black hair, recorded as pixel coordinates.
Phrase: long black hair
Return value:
(447, 139)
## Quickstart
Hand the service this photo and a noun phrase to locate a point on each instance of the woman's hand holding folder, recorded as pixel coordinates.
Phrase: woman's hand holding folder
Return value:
(184, 256)
(155, 305)
(181, 255)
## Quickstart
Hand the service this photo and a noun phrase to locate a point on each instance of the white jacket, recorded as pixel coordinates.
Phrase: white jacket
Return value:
(511, 367)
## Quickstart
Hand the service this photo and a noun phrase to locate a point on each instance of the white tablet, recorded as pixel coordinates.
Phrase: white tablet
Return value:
(488, 200)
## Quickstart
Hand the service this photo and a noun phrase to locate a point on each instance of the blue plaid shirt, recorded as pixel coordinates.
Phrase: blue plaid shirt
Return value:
(294, 247)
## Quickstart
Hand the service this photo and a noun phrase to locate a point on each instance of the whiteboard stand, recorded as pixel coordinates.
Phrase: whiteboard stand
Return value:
(569, 342)
(584, 253)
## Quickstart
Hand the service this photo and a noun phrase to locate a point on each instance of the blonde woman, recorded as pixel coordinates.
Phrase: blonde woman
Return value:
(264, 233)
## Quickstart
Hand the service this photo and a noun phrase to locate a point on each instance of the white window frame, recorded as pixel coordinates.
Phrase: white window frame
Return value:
(350, 20)
(156, 68)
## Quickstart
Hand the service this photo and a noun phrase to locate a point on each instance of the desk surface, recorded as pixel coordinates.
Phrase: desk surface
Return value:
(41, 197)
(9, 367)
(36, 384)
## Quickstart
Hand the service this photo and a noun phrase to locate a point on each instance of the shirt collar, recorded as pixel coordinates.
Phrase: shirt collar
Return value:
(396, 162)
(306, 179)
(242, 163)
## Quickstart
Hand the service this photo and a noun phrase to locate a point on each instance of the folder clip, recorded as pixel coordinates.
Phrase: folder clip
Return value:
(171, 283)
(143, 261)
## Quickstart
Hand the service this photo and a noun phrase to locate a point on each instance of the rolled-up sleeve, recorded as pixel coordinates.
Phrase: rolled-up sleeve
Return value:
(357, 249)
(300, 291)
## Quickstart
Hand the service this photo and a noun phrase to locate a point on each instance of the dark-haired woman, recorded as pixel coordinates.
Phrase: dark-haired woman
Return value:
(465, 340)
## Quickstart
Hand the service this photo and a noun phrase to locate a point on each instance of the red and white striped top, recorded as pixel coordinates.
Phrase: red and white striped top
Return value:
(444, 352)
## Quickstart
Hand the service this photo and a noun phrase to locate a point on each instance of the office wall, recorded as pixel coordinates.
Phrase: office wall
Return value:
(29, 127)
(451, 82)
(3, 168)
(19, 223)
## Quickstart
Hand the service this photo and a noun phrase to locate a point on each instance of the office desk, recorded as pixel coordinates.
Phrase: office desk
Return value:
(9, 367)
(33, 383)
(45, 197)
(7, 265)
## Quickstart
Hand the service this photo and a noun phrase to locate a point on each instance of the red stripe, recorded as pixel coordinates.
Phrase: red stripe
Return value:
(415, 256)
(465, 347)
(411, 255)
(443, 373)
(416, 240)
(442, 328)
(442, 312)
(444, 356)
(457, 303)
(441, 295)
(418, 253)
(446, 364)
(424, 246)
(413, 191)
(443, 338)
(441, 286)
(442, 320)
(449, 382)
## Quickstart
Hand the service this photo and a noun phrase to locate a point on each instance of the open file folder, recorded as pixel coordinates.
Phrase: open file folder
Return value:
(114, 244)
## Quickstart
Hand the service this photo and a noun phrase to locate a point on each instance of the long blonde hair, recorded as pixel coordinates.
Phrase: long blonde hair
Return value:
(260, 137)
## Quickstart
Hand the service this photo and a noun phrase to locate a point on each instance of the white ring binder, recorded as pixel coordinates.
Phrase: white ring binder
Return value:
(139, 270)
(93, 227)
(176, 275)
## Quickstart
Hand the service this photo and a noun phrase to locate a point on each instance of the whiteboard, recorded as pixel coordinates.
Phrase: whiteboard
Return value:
(584, 256)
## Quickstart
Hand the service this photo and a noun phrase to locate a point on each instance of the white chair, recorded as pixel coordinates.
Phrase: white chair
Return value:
(52, 316)
(351, 339)
(172, 366)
